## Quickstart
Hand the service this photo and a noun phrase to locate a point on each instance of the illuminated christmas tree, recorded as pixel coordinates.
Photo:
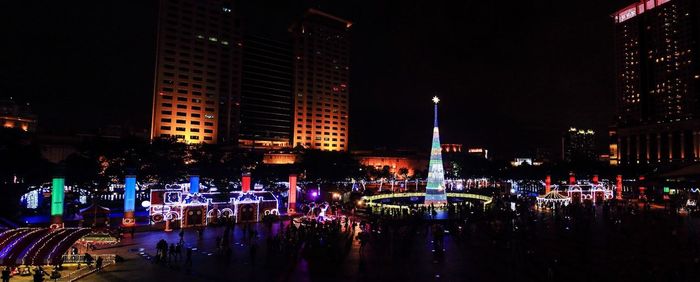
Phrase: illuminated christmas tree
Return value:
(435, 191)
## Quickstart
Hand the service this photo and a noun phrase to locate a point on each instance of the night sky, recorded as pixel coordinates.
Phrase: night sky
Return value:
(512, 75)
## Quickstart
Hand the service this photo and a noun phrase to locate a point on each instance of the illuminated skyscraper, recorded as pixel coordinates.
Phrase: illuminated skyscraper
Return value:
(578, 145)
(435, 190)
(321, 75)
(197, 80)
(657, 74)
(266, 94)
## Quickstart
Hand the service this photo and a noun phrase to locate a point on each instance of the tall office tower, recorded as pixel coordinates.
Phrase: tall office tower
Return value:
(578, 145)
(657, 73)
(266, 94)
(197, 80)
(321, 75)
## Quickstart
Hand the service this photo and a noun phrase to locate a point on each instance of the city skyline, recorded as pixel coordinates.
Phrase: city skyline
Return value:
(263, 140)
(383, 85)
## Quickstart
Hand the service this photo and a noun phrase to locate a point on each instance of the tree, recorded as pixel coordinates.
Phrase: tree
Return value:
(164, 161)
(329, 166)
(20, 159)
(403, 172)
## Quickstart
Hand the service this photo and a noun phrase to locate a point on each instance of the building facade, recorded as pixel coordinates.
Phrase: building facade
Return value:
(14, 115)
(321, 81)
(578, 145)
(266, 94)
(395, 160)
(451, 148)
(657, 73)
(197, 81)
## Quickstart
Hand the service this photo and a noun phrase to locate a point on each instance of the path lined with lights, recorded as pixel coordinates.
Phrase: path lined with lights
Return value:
(12, 251)
(54, 256)
(37, 246)
(7, 236)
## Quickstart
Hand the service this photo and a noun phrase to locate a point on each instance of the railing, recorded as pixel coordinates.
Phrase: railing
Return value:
(81, 273)
(107, 260)
(81, 258)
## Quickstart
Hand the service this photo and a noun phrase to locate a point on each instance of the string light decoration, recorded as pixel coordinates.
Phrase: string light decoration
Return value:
(553, 197)
(11, 246)
(435, 190)
(43, 241)
(12, 233)
(75, 235)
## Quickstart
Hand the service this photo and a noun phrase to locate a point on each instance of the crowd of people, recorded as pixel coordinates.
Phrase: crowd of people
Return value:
(539, 244)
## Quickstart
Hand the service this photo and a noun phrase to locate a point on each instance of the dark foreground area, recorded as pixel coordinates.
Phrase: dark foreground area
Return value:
(613, 243)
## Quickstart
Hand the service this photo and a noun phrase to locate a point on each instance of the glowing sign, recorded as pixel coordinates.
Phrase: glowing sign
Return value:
(637, 9)
(129, 192)
(57, 186)
(477, 150)
(650, 4)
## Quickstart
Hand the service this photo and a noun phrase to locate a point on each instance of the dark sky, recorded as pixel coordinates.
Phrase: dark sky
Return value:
(512, 75)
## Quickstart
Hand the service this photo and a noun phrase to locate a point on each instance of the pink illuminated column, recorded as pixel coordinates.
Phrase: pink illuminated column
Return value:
(547, 184)
(292, 202)
(245, 182)
(618, 184)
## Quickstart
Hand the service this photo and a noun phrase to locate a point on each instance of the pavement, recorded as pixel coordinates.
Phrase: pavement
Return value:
(644, 248)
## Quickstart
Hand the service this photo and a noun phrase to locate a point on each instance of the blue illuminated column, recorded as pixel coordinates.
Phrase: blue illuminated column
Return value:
(435, 189)
(194, 184)
(129, 200)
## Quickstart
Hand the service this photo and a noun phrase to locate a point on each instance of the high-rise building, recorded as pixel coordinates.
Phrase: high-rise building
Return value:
(321, 73)
(578, 145)
(657, 61)
(266, 94)
(197, 80)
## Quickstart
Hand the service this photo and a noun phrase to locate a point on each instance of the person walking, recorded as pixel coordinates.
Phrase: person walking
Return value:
(98, 264)
(6, 274)
(88, 260)
(178, 251)
(171, 252)
(38, 275)
(188, 258)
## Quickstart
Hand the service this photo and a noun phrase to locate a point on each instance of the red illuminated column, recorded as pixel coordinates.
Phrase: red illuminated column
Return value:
(292, 202)
(618, 184)
(547, 184)
(572, 178)
(245, 182)
(595, 179)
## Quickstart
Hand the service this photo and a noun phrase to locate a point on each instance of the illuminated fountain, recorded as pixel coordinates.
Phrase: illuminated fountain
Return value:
(435, 192)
